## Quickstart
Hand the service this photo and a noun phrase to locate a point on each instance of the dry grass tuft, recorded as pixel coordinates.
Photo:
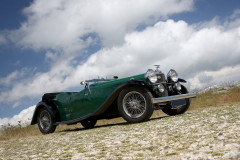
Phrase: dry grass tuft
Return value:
(16, 132)
(216, 97)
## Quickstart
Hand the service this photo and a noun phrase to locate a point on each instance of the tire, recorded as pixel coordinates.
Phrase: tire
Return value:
(89, 124)
(45, 121)
(135, 105)
(178, 110)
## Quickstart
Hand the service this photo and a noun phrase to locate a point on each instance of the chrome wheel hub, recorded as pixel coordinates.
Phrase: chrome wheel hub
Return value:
(45, 120)
(134, 104)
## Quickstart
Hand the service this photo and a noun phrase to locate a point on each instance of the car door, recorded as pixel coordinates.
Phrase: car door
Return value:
(87, 101)
(76, 104)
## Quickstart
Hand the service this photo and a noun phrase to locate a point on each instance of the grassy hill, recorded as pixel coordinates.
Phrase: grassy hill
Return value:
(209, 129)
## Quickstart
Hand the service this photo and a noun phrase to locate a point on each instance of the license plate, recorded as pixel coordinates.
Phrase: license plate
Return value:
(178, 103)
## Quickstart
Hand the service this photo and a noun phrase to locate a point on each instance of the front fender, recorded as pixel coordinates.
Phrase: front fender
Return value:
(116, 92)
(182, 80)
(38, 107)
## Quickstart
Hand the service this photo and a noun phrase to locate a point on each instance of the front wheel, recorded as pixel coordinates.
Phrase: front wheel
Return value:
(169, 110)
(88, 124)
(46, 121)
(134, 104)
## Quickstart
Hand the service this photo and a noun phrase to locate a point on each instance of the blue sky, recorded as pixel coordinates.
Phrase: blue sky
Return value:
(52, 46)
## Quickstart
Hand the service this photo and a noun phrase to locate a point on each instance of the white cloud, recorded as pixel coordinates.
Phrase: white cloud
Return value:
(65, 28)
(62, 24)
(235, 14)
(192, 51)
(208, 78)
(8, 80)
(14, 76)
(23, 118)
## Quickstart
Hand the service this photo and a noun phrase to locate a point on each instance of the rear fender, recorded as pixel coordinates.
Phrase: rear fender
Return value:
(40, 105)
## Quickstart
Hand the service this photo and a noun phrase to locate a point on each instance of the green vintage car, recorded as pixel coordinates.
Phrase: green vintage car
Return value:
(133, 98)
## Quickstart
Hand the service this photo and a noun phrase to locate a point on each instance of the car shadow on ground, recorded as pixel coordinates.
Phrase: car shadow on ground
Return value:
(100, 126)
(114, 124)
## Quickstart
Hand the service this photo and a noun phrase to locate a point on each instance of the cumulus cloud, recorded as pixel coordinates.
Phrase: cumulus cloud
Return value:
(186, 48)
(235, 14)
(199, 52)
(63, 24)
(222, 76)
(196, 52)
(15, 76)
(64, 29)
(23, 118)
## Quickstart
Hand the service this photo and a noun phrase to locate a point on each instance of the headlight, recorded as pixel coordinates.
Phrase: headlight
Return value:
(178, 86)
(151, 76)
(161, 88)
(172, 75)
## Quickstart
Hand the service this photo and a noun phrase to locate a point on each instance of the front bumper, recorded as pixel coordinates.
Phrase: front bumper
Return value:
(172, 98)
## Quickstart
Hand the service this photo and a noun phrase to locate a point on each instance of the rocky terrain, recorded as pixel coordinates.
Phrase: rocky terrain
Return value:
(212, 133)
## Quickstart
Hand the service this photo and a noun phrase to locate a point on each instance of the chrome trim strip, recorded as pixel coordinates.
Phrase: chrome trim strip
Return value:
(172, 98)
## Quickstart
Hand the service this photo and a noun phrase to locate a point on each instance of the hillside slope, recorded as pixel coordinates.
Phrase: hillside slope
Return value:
(204, 133)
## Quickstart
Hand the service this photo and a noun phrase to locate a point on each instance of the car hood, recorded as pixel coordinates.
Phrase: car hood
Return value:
(48, 96)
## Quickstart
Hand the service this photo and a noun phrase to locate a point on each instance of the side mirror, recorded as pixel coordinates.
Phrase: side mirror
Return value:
(83, 83)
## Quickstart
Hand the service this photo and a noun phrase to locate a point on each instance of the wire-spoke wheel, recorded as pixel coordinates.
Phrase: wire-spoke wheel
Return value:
(45, 121)
(134, 104)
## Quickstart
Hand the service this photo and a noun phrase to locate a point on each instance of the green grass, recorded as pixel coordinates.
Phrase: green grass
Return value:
(211, 98)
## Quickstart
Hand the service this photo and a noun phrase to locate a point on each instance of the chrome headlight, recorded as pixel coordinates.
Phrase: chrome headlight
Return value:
(151, 76)
(161, 88)
(172, 75)
(177, 86)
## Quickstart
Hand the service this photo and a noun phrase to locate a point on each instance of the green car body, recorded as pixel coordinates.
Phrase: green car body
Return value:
(88, 101)
(110, 99)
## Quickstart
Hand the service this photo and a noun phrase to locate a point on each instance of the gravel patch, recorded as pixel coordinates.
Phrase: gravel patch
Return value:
(212, 133)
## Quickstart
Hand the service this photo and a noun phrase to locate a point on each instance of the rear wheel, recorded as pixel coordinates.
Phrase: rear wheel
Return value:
(134, 104)
(46, 121)
(88, 124)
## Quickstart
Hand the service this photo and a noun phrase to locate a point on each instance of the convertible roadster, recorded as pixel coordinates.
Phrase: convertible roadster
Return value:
(133, 98)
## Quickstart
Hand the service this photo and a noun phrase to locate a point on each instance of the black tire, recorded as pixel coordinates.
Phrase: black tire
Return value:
(45, 121)
(89, 124)
(178, 110)
(135, 105)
